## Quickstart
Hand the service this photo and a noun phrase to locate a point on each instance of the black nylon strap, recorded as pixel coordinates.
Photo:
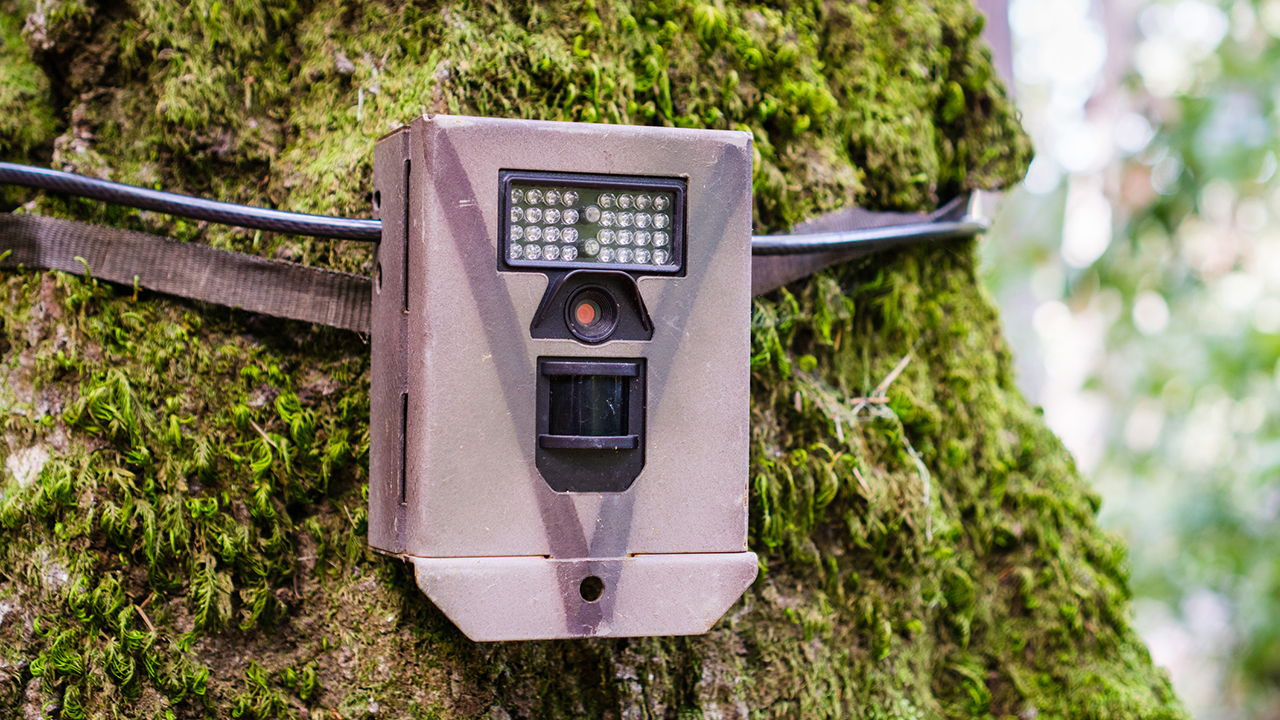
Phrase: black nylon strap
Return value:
(191, 270)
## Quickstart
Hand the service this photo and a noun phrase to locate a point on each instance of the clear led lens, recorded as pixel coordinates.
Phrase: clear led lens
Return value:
(590, 224)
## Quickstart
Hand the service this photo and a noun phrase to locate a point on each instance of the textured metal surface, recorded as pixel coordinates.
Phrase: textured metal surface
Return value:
(473, 490)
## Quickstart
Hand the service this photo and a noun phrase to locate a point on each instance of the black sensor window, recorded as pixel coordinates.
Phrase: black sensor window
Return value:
(590, 430)
(588, 405)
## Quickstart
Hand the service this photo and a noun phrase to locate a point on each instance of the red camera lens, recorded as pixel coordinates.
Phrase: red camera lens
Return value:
(586, 312)
(592, 314)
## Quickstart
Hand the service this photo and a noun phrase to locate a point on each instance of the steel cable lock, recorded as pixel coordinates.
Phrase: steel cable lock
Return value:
(560, 352)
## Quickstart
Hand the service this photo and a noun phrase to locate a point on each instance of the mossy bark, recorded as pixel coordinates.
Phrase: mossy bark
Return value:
(183, 499)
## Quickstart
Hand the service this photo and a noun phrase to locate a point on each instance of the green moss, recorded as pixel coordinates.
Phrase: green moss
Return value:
(1018, 600)
(273, 102)
(27, 123)
(195, 546)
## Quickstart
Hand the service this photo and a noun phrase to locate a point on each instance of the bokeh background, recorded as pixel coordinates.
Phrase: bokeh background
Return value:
(1138, 272)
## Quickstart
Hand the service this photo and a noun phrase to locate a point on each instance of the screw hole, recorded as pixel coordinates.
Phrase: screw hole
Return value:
(377, 199)
(591, 589)
(377, 277)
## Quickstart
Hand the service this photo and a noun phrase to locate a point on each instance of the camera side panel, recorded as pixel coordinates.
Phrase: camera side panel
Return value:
(389, 382)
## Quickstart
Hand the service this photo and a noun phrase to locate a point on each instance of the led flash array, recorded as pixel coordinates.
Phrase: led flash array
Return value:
(590, 225)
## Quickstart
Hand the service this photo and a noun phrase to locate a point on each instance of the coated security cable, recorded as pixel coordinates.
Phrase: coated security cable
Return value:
(315, 295)
(880, 238)
(851, 233)
(190, 207)
(868, 231)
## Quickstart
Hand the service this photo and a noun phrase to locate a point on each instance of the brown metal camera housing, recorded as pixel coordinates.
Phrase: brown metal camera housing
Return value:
(548, 476)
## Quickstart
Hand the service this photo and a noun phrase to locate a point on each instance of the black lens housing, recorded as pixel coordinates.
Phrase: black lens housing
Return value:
(556, 315)
(606, 320)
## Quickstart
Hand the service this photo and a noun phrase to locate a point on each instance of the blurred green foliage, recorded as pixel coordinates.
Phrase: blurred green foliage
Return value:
(1189, 292)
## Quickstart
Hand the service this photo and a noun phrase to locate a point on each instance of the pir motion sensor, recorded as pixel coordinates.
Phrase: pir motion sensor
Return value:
(552, 461)
(339, 228)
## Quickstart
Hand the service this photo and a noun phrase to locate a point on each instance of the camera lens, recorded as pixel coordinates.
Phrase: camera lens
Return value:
(592, 314)
(586, 313)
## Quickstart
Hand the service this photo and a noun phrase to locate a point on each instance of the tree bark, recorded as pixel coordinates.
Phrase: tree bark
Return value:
(184, 498)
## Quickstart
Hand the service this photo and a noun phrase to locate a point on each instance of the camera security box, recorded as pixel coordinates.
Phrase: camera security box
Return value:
(559, 400)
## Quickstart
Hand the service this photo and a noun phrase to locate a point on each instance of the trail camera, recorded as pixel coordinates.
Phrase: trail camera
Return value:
(560, 399)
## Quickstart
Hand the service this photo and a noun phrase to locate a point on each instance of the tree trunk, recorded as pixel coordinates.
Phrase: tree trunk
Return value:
(184, 498)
